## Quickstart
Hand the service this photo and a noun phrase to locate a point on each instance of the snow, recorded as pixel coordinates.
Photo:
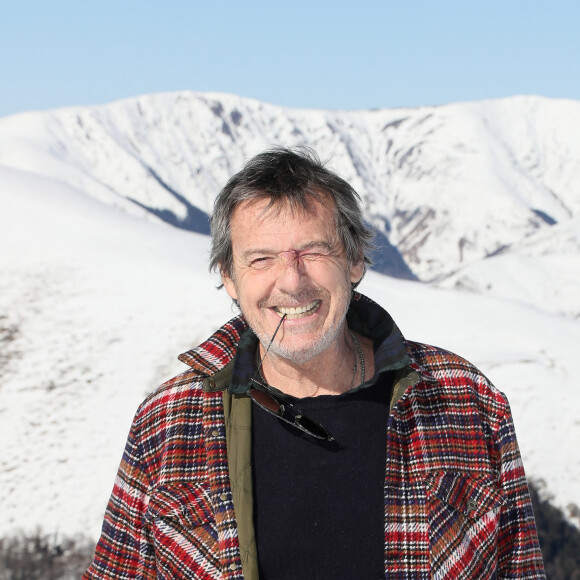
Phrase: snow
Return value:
(98, 297)
(449, 185)
(543, 270)
(102, 303)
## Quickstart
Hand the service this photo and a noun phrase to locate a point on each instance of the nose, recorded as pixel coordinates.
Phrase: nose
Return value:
(291, 271)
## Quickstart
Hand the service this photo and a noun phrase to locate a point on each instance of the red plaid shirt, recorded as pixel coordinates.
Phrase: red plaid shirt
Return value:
(456, 501)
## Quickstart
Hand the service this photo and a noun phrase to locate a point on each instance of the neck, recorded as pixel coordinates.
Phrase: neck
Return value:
(329, 373)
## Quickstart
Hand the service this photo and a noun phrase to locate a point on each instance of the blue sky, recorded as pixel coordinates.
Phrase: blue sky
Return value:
(348, 55)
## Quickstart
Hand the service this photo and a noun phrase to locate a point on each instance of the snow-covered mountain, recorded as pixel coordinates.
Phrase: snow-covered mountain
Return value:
(98, 294)
(445, 186)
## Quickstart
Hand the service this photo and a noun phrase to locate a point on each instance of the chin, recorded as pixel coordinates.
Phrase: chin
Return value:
(301, 354)
(295, 356)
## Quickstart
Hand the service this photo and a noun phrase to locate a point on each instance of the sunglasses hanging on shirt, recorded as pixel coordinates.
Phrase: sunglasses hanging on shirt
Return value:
(275, 403)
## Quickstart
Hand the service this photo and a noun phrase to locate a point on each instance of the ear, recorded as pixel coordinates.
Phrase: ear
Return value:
(229, 286)
(357, 271)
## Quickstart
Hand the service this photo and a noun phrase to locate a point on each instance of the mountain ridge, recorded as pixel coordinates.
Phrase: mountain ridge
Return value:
(420, 171)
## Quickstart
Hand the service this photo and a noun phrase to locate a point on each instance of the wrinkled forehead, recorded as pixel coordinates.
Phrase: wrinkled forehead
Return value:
(258, 225)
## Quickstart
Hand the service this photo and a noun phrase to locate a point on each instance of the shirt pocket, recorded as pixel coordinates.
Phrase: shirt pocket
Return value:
(463, 513)
(183, 531)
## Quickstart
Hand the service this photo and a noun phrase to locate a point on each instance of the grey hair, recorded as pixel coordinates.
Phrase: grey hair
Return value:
(289, 176)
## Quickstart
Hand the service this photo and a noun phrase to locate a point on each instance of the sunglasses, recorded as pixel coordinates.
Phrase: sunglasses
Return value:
(273, 402)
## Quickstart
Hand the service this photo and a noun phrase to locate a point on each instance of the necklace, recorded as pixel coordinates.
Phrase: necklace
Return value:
(358, 356)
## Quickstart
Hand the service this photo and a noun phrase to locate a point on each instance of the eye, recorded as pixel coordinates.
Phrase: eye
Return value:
(261, 262)
(314, 255)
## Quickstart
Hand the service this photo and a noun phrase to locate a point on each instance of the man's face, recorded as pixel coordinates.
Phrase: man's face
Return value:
(291, 263)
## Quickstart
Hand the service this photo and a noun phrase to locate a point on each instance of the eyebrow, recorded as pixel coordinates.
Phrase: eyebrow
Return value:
(314, 245)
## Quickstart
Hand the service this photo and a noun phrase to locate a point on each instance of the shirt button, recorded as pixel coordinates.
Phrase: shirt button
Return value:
(233, 566)
(215, 432)
(471, 505)
(223, 496)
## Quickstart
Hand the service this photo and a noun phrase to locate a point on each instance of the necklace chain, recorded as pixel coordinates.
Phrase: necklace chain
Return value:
(360, 356)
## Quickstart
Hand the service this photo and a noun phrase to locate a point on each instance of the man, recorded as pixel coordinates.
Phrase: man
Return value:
(309, 439)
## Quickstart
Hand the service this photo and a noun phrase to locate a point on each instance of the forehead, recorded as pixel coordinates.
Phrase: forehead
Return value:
(259, 219)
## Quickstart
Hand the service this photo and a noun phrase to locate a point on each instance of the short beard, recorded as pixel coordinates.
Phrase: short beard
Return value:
(301, 356)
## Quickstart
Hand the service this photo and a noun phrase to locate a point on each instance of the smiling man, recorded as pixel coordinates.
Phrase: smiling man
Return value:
(290, 260)
(309, 439)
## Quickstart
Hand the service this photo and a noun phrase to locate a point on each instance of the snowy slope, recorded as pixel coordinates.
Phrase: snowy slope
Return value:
(96, 303)
(543, 270)
(448, 185)
(94, 307)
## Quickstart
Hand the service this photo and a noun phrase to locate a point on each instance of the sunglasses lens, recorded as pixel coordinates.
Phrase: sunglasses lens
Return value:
(285, 412)
(313, 428)
(265, 400)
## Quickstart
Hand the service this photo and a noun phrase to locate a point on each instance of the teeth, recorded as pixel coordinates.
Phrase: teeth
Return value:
(295, 312)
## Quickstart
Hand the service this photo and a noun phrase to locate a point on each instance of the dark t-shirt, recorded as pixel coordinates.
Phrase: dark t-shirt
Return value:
(319, 506)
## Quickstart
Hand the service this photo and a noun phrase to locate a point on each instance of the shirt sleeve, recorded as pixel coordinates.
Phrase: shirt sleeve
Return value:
(519, 552)
(123, 551)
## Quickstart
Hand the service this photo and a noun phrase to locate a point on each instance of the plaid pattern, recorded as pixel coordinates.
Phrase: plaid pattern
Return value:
(456, 500)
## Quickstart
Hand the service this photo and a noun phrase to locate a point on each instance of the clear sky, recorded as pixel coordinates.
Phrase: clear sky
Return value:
(302, 53)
